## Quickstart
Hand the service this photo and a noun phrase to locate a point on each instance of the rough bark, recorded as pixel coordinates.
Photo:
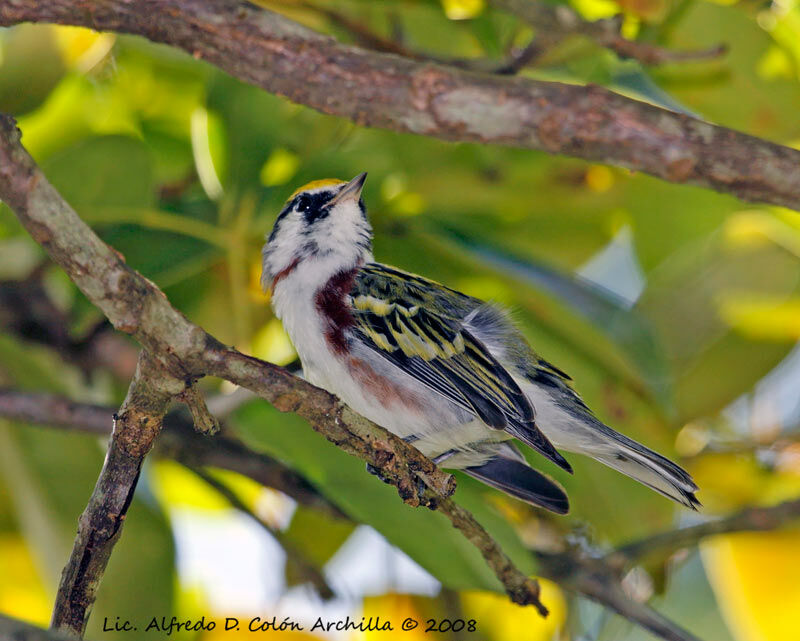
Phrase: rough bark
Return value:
(100, 526)
(383, 90)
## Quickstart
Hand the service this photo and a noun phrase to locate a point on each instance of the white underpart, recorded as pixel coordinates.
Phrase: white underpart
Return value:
(440, 425)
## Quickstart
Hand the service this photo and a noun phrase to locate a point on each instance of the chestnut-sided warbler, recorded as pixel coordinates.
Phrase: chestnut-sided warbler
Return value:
(445, 371)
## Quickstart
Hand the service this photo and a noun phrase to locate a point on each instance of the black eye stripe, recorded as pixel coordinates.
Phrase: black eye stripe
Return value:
(310, 206)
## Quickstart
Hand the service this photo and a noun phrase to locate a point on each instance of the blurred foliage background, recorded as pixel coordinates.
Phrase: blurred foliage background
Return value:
(675, 309)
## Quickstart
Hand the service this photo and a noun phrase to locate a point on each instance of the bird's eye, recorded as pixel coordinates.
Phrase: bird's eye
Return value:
(303, 204)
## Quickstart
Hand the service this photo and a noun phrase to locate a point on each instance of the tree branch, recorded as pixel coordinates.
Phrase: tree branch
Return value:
(100, 525)
(16, 630)
(178, 441)
(382, 90)
(597, 578)
(135, 305)
(751, 519)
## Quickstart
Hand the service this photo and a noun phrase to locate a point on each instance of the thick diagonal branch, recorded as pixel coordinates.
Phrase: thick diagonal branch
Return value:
(135, 428)
(135, 305)
(382, 90)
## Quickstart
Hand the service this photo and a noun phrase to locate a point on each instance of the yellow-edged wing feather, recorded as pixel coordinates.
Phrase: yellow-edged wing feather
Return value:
(418, 325)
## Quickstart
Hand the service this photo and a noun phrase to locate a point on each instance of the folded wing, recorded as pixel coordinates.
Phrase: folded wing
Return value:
(416, 324)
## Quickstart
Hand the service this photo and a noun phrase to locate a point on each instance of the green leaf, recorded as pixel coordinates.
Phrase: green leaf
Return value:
(712, 363)
(316, 536)
(110, 171)
(427, 537)
(24, 86)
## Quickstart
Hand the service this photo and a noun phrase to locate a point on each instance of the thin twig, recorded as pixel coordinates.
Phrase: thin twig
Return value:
(204, 420)
(598, 581)
(751, 519)
(100, 525)
(178, 441)
(367, 38)
(384, 90)
(15, 630)
(307, 569)
(560, 21)
(771, 447)
(135, 305)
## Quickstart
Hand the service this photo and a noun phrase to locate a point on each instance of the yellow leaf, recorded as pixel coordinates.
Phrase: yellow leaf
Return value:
(754, 576)
(596, 9)
(280, 167)
(499, 618)
(178, 487)
(463, 9)
(728, 481)
(599, 178)
(394, 608)
(271, 343)
(763, 318)
(82, 48)
(22, 594)
(731, 481)
(254, 290)
(754, 227)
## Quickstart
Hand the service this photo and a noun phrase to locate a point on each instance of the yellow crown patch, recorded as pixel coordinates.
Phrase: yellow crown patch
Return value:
(324, 182)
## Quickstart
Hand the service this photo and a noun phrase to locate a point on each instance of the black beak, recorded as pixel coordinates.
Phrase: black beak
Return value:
(351, 191)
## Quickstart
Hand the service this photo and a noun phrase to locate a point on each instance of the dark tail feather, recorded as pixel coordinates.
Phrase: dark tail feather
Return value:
(523, 482)
(533, 437)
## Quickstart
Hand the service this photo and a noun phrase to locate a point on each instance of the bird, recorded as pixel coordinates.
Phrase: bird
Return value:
(446, 372)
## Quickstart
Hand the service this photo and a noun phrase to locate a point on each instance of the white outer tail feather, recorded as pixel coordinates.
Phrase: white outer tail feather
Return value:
(652, 473)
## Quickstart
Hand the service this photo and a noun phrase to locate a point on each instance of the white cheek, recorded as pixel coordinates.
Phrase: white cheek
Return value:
(344, 228)
(280, 253)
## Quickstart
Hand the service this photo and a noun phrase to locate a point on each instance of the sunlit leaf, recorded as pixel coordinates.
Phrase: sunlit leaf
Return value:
(25, 598)
(498, 618)
(764, 319)
(271, 343)
(463, 9)
(279, 168)
(427, 537)
(316, 536)
(754, 576)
